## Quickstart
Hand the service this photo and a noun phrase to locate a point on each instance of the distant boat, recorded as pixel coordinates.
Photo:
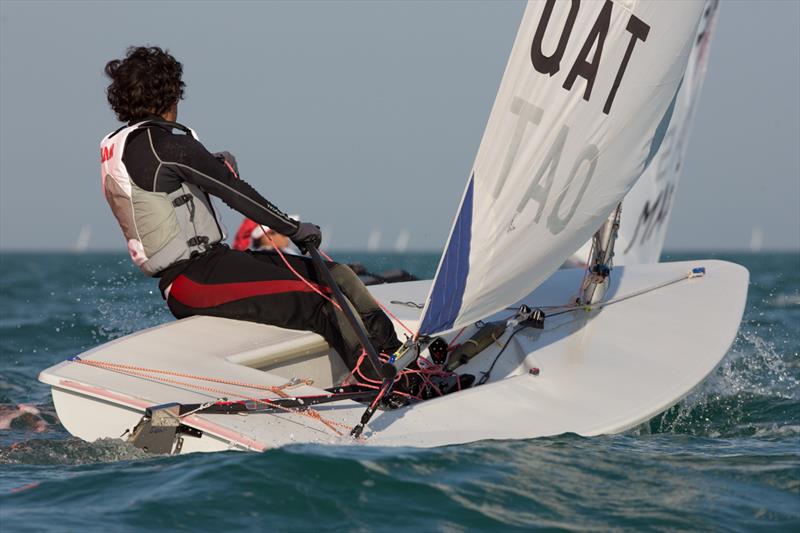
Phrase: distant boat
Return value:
(756, 239)
(401, 244)
(82, 243)
(327, 237)
(374, 241)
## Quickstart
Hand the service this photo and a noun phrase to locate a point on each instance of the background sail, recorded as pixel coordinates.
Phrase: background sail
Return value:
(646, 209)
(584, 104)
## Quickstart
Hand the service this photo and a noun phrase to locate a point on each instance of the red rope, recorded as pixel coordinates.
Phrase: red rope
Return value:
(452, 344)
(296, 273)
(425, 374)
(119, 366)
(385, 309)
(326, 256)
(230, 168)
(152, 374)
(426, 371)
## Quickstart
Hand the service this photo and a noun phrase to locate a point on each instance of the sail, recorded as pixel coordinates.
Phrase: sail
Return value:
(646, 209)
(583, 106)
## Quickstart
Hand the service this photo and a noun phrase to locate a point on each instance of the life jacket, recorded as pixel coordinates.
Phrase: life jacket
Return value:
(160, 228)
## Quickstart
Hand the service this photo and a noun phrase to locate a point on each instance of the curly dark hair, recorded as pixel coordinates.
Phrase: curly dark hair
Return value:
(147, 81)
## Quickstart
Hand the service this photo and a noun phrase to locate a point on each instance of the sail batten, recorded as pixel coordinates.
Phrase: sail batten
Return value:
(583, 103)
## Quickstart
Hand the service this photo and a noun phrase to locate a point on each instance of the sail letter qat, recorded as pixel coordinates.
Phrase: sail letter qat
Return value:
(638, 31)
(583, 67)
(586, 69)
(552, 63)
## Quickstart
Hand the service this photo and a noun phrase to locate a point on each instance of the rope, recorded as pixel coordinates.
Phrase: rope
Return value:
(567, 308)
(118, 366)
(152, 374)
(692, 274)
(314, 288)
(425, 372)
(393, 317)
(385, 309)
(296, 273)
(452, 344)
(415, 305)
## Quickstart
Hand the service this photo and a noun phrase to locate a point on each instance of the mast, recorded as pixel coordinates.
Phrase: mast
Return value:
(598, 271)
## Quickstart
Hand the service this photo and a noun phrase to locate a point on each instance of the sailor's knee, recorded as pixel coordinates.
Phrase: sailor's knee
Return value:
(353, 287)
(344, 276)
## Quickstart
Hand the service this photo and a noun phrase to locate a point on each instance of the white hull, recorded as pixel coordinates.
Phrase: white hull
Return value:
(602, 371)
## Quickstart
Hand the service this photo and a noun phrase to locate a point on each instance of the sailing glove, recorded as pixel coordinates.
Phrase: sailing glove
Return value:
(307, 234)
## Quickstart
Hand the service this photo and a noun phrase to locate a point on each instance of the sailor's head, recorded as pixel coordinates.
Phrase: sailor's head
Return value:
(147, 81)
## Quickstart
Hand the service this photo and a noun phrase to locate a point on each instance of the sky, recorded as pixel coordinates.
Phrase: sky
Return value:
(364, 117)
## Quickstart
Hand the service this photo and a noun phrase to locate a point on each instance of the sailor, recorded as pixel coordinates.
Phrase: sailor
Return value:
(242, 239)
(157, 178)
(254, 236)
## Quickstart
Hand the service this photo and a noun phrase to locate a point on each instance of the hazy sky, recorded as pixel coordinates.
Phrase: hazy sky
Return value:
(362, 115)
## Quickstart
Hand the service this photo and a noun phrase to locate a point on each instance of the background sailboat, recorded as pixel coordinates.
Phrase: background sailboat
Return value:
(648, 206)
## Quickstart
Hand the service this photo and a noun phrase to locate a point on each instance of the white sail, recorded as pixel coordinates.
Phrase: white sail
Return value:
(583, 106)
(646, 209)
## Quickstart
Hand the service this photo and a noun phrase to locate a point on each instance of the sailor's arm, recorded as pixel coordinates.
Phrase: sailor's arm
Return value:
(198, 166)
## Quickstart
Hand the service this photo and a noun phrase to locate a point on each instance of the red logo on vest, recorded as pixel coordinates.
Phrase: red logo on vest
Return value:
(106, 153)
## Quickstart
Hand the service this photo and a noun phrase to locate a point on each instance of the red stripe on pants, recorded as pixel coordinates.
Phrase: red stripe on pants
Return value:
(202, 296)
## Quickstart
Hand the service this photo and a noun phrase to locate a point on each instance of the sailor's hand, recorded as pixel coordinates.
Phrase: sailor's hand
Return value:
(307, 234)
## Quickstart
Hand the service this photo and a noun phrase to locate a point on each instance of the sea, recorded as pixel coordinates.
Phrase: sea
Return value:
(726, 458)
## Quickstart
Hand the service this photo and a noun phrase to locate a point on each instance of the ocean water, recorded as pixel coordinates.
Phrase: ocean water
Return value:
(725, 458)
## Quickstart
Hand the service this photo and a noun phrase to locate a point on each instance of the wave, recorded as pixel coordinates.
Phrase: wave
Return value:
(622, 481)
(754, 392)
(69, 451)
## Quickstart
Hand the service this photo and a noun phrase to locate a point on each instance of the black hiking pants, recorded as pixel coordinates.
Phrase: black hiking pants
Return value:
(258, 287)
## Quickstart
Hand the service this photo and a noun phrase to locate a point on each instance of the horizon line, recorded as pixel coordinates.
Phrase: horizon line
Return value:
(677, 249)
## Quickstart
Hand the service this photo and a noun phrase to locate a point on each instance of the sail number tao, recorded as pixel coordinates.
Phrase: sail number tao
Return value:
(542, 183)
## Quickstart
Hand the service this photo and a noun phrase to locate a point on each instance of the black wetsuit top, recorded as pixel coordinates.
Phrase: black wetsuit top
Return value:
(159, 157)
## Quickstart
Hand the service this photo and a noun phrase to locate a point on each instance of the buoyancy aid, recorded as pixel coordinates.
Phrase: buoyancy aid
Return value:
(160, 228)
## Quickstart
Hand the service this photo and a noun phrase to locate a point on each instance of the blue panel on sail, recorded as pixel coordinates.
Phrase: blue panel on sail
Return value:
(448, 289)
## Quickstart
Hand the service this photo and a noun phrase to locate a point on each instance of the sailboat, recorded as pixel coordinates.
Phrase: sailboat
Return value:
(584, 106)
